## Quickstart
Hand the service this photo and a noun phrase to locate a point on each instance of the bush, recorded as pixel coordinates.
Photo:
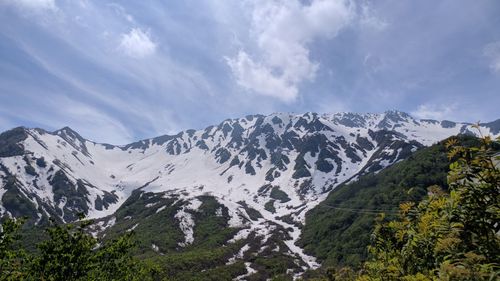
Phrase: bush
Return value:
(447, 236)
(70, 253)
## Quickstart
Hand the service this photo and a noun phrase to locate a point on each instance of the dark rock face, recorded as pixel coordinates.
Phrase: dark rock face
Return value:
(73, 138)
(10, 142)
(493, 126)
(392, 118)
(301, 151)
(73, 196)
(352, 120)
(104, 202)
(448, 124)
(17, 202)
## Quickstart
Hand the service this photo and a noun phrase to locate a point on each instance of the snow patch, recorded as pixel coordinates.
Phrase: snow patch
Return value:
(249, 269)
(186, 221)
(161, 209)
(133, 227)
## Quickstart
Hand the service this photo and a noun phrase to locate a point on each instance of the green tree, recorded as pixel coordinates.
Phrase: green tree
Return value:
(11, 259)
(447, 236)
(73, 254)
(66, 255)
(70, 253)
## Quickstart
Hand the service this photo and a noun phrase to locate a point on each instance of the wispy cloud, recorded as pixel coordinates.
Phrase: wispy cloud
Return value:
(85, 55)
(492, 52)
(434, 111)
(142, 69)
(32, 5)
(90, 121)
(122, 12)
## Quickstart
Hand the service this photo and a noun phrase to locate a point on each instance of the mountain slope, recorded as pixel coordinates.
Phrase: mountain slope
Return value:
(350, 210)
(347, 211)
(260, 173)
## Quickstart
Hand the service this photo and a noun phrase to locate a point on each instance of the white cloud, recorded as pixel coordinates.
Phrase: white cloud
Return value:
(137, 43)
(281, 32)
(32, 5)
(121, 11)
(431, 111)
(492, 51)
(256, 77)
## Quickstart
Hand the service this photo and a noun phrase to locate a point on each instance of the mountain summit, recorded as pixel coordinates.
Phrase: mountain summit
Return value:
(264, 172)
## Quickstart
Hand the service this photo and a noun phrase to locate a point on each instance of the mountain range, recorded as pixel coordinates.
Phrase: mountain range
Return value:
(245, 184)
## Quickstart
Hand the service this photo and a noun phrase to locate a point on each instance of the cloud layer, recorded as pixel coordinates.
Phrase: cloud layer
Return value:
(32, 4)
(433, 111)
(119, 72)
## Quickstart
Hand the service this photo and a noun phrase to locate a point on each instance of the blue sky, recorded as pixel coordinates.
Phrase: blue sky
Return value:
(118, 71)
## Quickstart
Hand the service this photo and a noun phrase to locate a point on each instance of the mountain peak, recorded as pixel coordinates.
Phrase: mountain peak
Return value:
(65, 130)
(73, 138)
(280, 166)
(397, 113)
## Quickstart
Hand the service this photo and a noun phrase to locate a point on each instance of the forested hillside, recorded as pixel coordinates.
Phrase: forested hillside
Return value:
(336, 230)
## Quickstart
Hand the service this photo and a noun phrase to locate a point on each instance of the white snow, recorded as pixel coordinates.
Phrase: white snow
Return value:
(249, 269)
(2, 192)
(133, 227)
(155, 248)
(241, 235)
(195, 172)
(238, 255)
(186, 221)
(149, 205)
(218, 212)
(161, 209)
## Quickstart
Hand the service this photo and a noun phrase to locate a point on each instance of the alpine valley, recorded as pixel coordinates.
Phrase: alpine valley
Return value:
(242, 195)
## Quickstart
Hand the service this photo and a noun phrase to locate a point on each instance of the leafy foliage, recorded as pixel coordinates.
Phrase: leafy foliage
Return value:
(198, 264)
(447, 236)
(151, 226)
(337, 233)
(69, 254)
(205, 259)
(10, 258)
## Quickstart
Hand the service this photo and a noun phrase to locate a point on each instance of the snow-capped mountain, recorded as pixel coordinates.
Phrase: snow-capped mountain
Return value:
(280, 166)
